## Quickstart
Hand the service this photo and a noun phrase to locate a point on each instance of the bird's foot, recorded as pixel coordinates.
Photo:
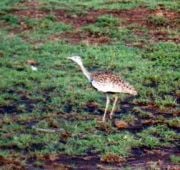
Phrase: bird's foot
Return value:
(111, 115)
(103, 120)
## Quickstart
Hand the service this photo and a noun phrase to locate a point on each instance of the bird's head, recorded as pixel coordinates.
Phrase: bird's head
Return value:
(76, 59)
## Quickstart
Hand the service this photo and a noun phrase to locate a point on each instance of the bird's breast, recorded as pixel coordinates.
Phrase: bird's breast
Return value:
(106, 87)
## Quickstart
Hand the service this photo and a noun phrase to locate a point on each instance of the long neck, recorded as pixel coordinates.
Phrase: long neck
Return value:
(85, 72)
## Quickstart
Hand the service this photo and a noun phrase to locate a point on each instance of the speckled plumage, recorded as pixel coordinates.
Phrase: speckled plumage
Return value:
(106, 82)
(109, 82)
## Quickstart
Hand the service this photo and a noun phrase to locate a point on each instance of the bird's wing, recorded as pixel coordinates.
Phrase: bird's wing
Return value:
(108, 82)
(105, 87)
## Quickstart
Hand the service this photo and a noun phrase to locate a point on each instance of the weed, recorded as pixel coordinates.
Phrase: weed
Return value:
(150, 141)
(167, 4)
(7, 4)
(4, 154)
(174, 123)
(129, 118)
(152, 136)
(107, 21)
(11, 19)
(142, 114)
(119, 144)
(158, 20)
(41, 28)
(23, 140)
(175, 159)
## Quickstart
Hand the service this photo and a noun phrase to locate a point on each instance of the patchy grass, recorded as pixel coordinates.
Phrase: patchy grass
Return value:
(175, 159)
(166, 4)
(110, 26)
(108, 4)
(107, 21)
(43, 28)
(56, 96)
(7, 4)
(11, 19)
(158, 20)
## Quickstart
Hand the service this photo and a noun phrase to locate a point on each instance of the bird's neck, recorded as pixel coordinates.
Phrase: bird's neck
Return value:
(85, 72)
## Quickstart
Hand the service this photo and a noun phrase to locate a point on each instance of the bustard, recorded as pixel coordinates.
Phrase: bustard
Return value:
(106, 82)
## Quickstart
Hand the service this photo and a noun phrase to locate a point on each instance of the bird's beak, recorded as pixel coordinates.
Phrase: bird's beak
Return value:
(69, 58)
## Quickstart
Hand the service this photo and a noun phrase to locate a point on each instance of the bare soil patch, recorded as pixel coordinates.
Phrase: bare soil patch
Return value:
(141, 17)
(79, 20)
(141, 158)
(31, 13)
(149, 158)
(29, 9)
(81, 37)
(11, 163)
(133, 19)
(30, 4)
(8, 109)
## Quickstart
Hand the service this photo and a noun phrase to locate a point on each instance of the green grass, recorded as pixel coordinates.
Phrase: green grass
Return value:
(11, 19)
(119, 144)
(158, 20)
(175, 159)
(57, 94)
(110, 26)
(7, 4)
(158, 136)
(41, 29)
(173, 5)
(105, 4)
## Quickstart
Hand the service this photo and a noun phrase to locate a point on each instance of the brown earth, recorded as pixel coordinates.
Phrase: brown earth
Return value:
(138, 16)
(133, 19)
(31, 13)
(81, 37)
(141, 158)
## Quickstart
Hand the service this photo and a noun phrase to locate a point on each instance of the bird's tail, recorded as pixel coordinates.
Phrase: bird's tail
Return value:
(130, 89)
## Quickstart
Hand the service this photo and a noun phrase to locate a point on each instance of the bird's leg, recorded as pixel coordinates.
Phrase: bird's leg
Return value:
(107, 104)
(113, 108)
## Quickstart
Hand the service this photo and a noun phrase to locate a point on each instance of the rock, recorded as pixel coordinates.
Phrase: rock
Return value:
(120, 124)
(112, 158)
(32, 62)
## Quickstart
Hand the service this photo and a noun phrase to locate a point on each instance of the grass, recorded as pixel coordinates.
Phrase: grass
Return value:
(104, 4)
(11, 19)
(7, 4)
(119, 144)
(175, 159)
(41, 29)
(158, 20)
(108, 25)
(56, 96)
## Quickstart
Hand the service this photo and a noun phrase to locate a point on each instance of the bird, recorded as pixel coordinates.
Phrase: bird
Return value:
(106, 82)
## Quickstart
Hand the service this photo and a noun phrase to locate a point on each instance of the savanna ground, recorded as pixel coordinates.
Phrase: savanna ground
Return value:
(41, 89)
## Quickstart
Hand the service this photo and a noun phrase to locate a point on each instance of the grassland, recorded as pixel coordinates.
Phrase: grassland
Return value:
(41, 89)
